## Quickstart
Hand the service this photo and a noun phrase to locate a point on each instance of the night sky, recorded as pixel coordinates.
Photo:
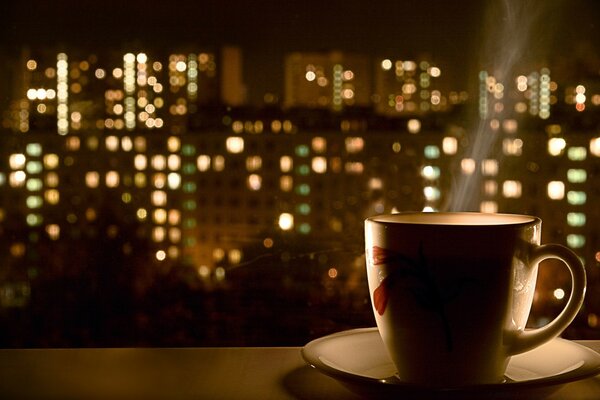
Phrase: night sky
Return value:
(452, 33)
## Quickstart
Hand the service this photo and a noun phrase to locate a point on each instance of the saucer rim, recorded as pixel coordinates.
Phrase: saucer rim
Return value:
(394, 382)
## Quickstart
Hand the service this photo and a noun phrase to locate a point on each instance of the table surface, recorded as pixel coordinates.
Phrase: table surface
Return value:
(187, 373)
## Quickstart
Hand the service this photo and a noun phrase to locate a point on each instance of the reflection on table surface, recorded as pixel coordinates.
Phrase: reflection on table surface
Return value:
(181, 373)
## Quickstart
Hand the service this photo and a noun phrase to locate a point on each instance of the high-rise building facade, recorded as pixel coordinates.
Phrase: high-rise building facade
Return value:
(328, 80)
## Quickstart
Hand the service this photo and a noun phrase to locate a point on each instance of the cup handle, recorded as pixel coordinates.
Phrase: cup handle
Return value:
(529, 339)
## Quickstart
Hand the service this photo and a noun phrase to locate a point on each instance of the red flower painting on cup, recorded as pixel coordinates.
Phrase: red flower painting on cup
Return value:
(418, 280)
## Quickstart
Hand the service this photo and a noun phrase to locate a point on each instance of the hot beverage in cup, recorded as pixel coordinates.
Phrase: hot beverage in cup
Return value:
(451, 292)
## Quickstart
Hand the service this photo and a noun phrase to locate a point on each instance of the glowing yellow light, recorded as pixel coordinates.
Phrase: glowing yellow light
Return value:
(161, 255)
(310, 76)
(556, 190)
(31, 65)
(414, 126)
(386, 64)
(234, 144)
(17, 161)
(512, 189)
(53, 231)
(559, 294)
(254, 182)
(467, 166)
(286, 221)
(556, 146)
(595, 146)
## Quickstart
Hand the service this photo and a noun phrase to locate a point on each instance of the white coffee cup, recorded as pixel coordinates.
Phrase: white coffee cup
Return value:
(451, 292)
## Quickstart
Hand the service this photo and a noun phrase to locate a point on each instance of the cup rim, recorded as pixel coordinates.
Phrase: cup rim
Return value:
(455, 219)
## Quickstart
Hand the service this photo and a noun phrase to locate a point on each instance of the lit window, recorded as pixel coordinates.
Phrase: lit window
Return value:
(92, 179)
(303, 208)
(17, 161)
(375, 184)
(512, 147)
(34, 167)
(53, 231)
(219, 163)
(576, 175)
(234, 144)
(431, 193)
(52, 179)
(174, 217)
(139, 144)
(595, 146)
(159, 180)
(286, 183)
(173, 144)
(174, 180)
(51, 161)
(576, 219)
(414, 126)
(73, 143)
(576, 198)
(158, 234)
(203, 162)
(303, 189)
(254, 182)
(140, 180)
(488, 207)
(17, 178)
(302, 150)
(431, 152)
(159, 198)
(467, 165)
(511, 189)
(174, 162)
(354, 144)
(34, 201)
(556, 190)
(354, 167)
(450, 145)
(112, 179)
(577, 153)
(489, 167)
(319, 165)
(253, 163)
(52, 196)
(286, 221)
(510, 125)
(286, 163)
(112, 143)
(319, 144)
(304, 228)
(303, 169)
(34, 184)
(188, 150)
(140, 162)
(490, 188)
(430, 172)
(159, 162)
(160, 216)
(34, 219)
(556, 146)
(34, 149)
(575, 241)
(126, 143)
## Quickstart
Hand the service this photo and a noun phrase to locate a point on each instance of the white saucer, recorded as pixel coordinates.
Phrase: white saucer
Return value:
(358, 359)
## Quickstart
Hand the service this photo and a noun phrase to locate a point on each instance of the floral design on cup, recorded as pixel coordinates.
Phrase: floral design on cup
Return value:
(426, 292)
